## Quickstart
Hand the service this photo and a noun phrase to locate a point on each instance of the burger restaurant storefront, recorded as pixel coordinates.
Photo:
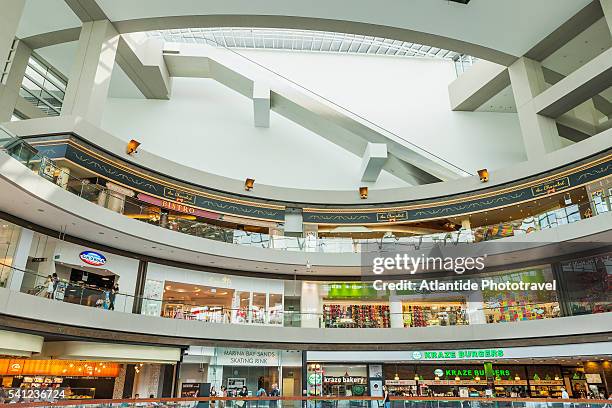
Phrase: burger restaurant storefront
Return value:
(499, 372)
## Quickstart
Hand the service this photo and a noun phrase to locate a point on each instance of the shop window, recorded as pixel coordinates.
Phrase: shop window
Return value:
(588, 282)
(275, 308)
(423, 314)
(258, 308)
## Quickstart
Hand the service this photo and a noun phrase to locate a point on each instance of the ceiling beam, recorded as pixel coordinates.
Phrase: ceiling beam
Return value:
(86, 10)
(566, 32)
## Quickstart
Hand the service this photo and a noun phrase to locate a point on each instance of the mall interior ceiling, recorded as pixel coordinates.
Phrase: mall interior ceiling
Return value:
(348, 204)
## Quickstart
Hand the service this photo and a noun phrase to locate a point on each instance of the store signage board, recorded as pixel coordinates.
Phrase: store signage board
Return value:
(247, 357)
(458, 354)
(92, 258)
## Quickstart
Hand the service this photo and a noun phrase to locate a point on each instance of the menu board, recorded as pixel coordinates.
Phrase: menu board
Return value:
(593, 378)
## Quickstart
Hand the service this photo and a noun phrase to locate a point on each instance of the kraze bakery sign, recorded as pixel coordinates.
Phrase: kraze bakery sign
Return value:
(246, 357)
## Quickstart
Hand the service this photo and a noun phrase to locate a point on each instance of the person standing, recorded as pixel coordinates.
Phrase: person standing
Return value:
(113, 295)
(564, 394)
(274, 392)
(55, 280)
(49, 287)
(386, 397)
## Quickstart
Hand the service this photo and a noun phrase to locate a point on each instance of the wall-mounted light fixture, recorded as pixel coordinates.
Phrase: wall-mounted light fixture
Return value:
(363, 192)
(132, 147)
(248, 184)
(484, 175)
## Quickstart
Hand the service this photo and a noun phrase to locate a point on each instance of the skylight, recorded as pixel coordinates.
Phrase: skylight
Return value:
(301, 40)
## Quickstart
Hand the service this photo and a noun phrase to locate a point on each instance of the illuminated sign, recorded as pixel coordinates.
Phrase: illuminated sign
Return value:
(457, 354)
(179, 196)
(92, 258)
(392, 216)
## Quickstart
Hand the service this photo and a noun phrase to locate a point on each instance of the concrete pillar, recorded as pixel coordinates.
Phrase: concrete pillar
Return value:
(373, 160)
(475, 305)
(116, 197)
(10, 14)
(261, 104)
(311, 305)
(11, 81)
(540, 135)
(397, 317)
(20, 259)
(606, 5)
(91, 74)
(63, 177)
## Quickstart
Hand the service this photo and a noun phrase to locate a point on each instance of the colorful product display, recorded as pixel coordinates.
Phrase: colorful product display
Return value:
(356, 316)
(423, 315)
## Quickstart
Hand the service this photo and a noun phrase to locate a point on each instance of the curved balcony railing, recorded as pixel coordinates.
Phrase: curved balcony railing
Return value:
(58, 397)
(184, 223)
(80, 293)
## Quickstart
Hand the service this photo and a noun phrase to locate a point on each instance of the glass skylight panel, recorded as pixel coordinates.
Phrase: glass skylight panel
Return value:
(301, 40)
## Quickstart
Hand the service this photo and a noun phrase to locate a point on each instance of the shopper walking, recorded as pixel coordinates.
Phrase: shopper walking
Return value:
(55, 279)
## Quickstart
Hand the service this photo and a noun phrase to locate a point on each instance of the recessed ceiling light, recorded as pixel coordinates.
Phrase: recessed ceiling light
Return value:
(101, 233)
(41, 210)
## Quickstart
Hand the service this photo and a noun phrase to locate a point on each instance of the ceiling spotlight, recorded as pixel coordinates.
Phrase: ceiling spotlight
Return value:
(460, 1)
(248, 184)
(132, 146)
(484, 175)
(363, 192)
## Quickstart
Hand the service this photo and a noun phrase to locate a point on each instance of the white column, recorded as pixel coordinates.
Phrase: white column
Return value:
(606, 5)
(91, 74)
(311, 306)
(373, 160)
(10, 14)
(475, 305)
(11, 82)
(261, 104)
(20, 259)
(540, 135)
(395, 308)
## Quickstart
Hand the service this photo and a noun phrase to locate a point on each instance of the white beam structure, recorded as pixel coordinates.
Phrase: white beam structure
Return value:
(141, 58)
(86, 10)
(540, 134)
(477, 85)
(330, 121)
(10, 15)
(374, 159)
(89, 80)
(261, 104)
(20, 259)
(606, 5)
(11, 82)
(587, 81)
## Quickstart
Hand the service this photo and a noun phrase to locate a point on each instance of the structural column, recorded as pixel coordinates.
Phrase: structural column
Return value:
(397, 316)
(63, 177)
(15, 68)
(10, 15)
(606, 5)
(90, 77)
(540, 134)
(20, 259)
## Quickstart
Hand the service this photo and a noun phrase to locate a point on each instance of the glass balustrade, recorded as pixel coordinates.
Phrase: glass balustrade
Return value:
(587, 207)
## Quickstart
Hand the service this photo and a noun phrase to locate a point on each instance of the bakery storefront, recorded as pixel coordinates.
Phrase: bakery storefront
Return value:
(498, 372)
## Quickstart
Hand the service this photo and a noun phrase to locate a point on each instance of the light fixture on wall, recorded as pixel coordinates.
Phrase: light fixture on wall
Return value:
(248, 184)
(132, 147)
(484, 175)
(363, 192)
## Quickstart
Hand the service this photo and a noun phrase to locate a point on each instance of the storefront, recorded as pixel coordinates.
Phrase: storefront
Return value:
(195, 295)
(238, 367)
(503, 372)
(86, 276)
(68, 379)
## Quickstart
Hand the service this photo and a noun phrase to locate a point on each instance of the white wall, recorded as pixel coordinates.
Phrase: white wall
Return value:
(207, 126)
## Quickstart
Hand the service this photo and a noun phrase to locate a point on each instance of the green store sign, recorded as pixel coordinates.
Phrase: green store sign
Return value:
(457, 354)
(315, 379)
(353, 290)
